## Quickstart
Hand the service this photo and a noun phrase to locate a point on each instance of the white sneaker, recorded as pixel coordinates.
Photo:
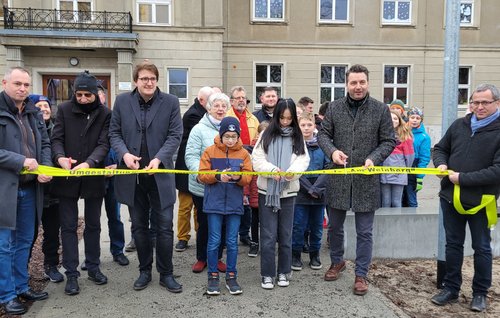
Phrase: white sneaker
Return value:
(267, 282)
(283, 280)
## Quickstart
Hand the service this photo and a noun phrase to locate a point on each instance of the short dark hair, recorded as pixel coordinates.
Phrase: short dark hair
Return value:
(268, 89)
(323, 108)
(145, 65)
(356, 68)
(305, 100)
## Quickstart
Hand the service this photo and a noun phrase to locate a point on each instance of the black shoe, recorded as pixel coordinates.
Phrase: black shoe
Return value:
(296, 261)
(305, 248)
(121, 259)
(72, 287)
(315, 262)
(130, 246)
(245, 241)
(52, 273)
(14, 307)
(143, 280)
(181, 246)
(168, 281)
(83, 267)
(444, 297)
(478, 303)
(254, 250)
(98, 277)
(32, 295)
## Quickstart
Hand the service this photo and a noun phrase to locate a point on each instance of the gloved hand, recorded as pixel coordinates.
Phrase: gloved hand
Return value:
(420, 184)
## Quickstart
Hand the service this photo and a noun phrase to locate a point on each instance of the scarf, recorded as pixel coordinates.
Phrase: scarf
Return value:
(280, 154)
(476, 124)
(313, 142)
(245, 133)
(214, 122)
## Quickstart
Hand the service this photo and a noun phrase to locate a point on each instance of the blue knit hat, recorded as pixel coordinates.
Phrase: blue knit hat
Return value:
(39, 98)
(229, 124)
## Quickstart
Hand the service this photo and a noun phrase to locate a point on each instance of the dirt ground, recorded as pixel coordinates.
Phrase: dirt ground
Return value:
(409, 284)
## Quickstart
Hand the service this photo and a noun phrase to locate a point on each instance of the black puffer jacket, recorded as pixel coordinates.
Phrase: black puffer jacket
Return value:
(476, 157)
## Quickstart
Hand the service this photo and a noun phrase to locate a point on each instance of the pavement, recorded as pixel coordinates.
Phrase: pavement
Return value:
(307, 296)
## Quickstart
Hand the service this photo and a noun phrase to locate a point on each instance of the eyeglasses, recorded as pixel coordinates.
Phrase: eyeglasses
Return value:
(226, 137)
(87, 95)
(483, 102)
(145, 80)
(239, 98)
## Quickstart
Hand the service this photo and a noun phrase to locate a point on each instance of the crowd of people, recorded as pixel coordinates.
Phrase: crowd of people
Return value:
(281, 207)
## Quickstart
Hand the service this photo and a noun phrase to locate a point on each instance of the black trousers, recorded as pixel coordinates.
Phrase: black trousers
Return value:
(202, 233)
(68, 216)
(51, 226)
(147, 198)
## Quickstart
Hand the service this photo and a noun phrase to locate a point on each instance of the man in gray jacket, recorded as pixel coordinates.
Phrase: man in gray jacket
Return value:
(24, 143)
(145, 132)
(356, 131)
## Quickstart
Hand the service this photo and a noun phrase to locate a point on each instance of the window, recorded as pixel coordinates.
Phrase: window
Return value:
(332, 82)
(75, 10)
(268, 75)
(268, 10)
(396, 11)
(466, 12)
(464, 87)
(333, 10)
(396, 79)
(177, 81)
(154, 11)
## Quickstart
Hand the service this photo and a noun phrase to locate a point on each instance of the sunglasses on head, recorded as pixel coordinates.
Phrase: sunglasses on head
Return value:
(87, 95)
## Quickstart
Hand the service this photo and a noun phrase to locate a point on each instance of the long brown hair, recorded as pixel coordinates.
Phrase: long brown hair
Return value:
(403, 131)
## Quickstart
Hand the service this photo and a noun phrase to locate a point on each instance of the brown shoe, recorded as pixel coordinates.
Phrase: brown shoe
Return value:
(333, 273)
(360, 286)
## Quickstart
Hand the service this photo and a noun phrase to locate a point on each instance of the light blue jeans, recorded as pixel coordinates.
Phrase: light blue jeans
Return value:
(392, 195)
(215, 221)
(15, 246)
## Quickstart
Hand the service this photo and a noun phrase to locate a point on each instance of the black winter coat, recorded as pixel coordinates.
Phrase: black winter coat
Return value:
(190, 118)
(476, 157)
(83, 137)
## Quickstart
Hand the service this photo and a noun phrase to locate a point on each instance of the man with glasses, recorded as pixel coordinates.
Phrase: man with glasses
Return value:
(249, 125)
(145, 132)
(24, 144)
(471, 149)
(80, 140)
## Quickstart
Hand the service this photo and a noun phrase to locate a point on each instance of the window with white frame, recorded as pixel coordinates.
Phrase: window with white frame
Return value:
(396, 83)
(268, 10)
(466, 12)
(177, 82)
(396, 11)
(333, 10)
(268, 75)
(332, 82)
(75, 10)
(154, 11)
(464, 87)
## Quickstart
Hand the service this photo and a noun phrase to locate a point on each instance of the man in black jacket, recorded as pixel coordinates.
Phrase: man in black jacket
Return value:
(80, 140)
(471, 149)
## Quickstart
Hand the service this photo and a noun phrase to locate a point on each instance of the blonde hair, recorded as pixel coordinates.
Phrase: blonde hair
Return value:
(403, 131)
(262, 126)
(306, 116)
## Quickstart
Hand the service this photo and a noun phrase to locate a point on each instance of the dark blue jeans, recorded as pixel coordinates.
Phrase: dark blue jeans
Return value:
(454, 225)
(364, 238)
(246, 222)
(115, 225)
(307, 217)
(202, 233)
(15, 246)
(215, 221)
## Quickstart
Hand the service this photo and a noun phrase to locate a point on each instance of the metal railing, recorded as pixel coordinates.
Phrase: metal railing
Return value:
(67, 20)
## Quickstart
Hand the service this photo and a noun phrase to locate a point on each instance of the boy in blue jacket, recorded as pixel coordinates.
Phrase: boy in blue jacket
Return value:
(223, 200)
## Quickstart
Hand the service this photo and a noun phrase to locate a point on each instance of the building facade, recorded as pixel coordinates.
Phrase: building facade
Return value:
(301, 47)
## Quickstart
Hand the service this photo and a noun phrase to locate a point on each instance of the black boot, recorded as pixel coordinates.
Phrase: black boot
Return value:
(315, 263)
(296, 262)
(305, 248)
(441, 271)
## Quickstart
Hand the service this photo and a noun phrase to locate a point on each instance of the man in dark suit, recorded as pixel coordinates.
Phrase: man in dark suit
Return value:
(145, 132)
(191, 117)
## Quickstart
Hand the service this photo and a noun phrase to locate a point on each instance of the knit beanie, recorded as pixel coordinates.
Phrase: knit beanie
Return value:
(416, 111)
(229, 124)
(398, 104)
(39, 98)
(86, 82)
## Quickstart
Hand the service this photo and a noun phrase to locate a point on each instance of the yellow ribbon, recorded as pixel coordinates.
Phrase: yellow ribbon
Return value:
(488, 201)
(59, 172)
